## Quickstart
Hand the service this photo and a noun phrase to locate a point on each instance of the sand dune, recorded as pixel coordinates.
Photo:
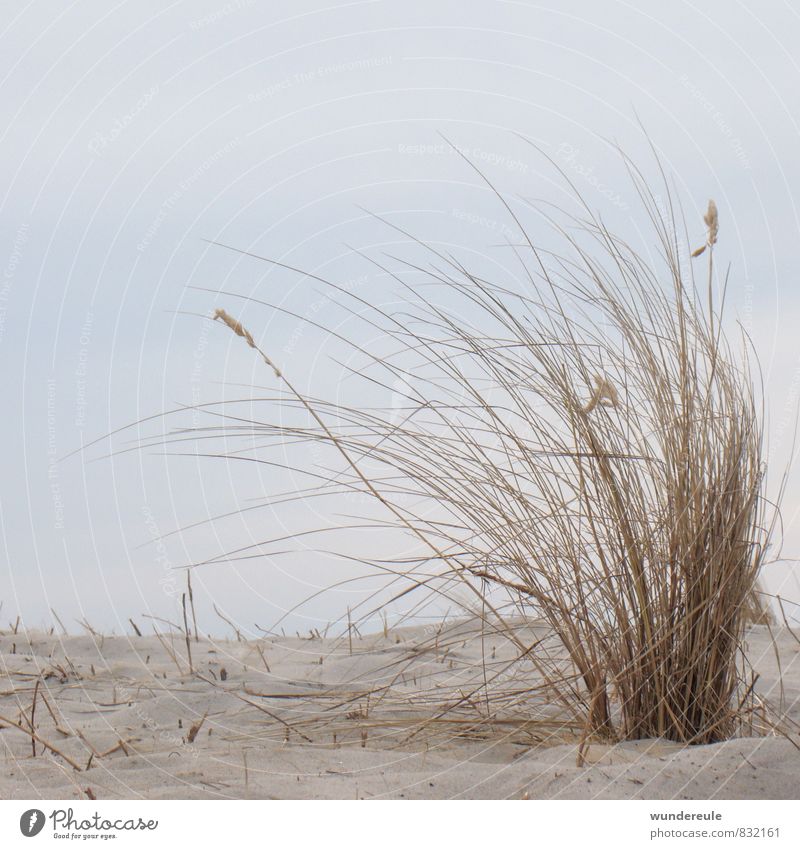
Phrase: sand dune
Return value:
(293, 718)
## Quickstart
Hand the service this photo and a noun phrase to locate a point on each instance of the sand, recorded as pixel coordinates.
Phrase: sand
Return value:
(307, 729)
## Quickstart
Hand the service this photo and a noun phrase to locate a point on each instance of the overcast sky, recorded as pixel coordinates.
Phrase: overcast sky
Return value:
(133, 132)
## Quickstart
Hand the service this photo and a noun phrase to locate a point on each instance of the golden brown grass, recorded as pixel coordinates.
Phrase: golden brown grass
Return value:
(586, 450)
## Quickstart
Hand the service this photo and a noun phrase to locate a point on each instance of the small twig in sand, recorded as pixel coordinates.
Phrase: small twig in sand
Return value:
(228, 621)
(169, 651)
(264, 660)
(84, 624)
(138, 632)
(38, 739)
(33, 715)
(195, 728)
(172, 625)
(349, 631)
(191, 604)
(187, 635)
(61, 624)
(59, 727)
(94, 752)
(120, 744)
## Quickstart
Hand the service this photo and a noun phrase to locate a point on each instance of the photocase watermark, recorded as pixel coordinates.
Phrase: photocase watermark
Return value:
(474, 154)
(100, 141)
(787, 420)
(167, 581)
(219, 14)
(719, 119)
(317, 306)
(482, 221)
(65, 825)
(569, 156)
(314, 74)
(169, 204)
(195, 378)
(9, 273)
(52, 457)
(80, 371)
(125, 694)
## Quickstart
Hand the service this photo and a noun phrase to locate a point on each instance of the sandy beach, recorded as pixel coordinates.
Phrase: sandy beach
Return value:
(315, 718)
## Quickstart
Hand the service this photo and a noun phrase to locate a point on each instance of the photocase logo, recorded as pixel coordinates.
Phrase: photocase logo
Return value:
(65, 824)
(31, 822)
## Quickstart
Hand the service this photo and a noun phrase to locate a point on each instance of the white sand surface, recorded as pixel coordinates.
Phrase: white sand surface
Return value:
(293, 718)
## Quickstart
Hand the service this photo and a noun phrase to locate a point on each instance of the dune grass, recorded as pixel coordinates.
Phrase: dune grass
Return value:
(581, 447)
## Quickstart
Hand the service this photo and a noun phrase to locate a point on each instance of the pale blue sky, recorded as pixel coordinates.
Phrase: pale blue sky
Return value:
(132, 132)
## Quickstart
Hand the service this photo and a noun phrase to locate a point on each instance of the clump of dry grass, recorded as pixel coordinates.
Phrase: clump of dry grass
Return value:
(585, 451)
